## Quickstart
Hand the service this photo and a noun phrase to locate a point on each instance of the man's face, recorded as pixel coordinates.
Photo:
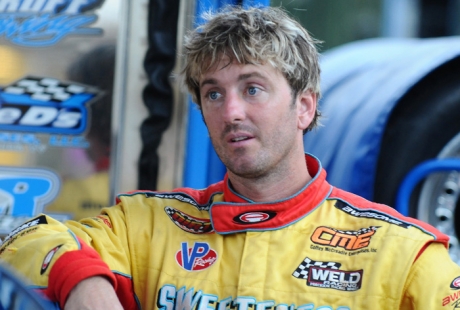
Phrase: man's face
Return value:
(253, 122)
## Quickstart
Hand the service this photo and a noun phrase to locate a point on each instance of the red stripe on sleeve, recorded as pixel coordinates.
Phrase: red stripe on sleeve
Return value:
(73, 267)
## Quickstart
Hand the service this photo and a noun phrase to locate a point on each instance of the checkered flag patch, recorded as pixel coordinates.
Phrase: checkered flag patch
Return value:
(44, 89)
(302, 271)
(357, 232)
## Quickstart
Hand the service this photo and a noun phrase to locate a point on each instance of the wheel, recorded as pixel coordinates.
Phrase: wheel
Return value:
(439, 203)
(424, 125)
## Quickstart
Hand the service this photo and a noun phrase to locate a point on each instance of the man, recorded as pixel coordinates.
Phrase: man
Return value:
(272, 235)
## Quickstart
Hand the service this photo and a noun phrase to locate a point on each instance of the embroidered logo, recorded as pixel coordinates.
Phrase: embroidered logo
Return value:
(189, 223)
(32, 223)
(455, 285)
(254, 217)
(371, 214)
(196, 258)
(328, 275)
(48, 258)
(347, 239)
(103, 219)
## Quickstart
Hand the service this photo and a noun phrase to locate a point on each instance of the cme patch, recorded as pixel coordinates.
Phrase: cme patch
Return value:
(45, 105)
(369, 213)
(328, 275)
(254, 217)
(198, 257)
(46, 22)
(48, 258)
(347, 239)
(189, 223)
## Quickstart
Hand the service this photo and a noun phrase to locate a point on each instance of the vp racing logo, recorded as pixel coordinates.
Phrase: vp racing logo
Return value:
(196, 258)
(328, 275)
(45, 105)
(38, 23)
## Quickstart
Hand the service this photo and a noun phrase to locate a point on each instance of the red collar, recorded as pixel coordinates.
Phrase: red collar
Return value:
(237, 214)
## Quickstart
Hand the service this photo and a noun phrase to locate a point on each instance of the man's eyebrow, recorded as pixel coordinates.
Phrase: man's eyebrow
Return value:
(251, 74)
(241, 77)
(208, 81)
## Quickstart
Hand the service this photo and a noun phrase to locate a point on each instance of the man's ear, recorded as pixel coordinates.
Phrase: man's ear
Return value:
(306, 109)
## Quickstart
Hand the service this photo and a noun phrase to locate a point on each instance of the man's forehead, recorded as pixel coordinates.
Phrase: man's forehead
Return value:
(243, 70)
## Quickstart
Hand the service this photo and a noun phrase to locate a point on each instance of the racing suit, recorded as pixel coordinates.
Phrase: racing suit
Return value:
(320, 249)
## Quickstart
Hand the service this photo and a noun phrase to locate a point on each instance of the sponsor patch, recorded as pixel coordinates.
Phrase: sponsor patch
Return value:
(348, 239)
(372, 214)
(104, 219)
(455, 285)
(198, 257)
(452, 298)
(182, 297)
(32, 223)
(179, 197)
(45, 105)
(189, 223)
(254, 217)
(48, 258)
(46, 22)
(328, 275)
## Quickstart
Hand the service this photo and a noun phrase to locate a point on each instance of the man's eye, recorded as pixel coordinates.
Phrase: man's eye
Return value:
(213, 95)
(252, 91)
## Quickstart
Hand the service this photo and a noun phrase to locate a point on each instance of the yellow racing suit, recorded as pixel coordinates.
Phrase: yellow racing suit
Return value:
(208, 249)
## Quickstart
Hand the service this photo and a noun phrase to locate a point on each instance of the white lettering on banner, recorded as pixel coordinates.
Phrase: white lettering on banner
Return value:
(39, 116)
(51, 5)
(9, 5)
(171, 298)
(44, 6)
(9, 115)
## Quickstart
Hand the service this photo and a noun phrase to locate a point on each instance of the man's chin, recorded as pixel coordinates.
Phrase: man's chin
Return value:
(246, 170)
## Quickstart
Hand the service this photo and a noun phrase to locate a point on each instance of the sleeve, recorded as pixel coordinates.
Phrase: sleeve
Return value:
(433, 282)
(55, 257)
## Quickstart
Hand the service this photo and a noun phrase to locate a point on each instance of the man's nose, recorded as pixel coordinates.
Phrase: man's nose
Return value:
(234, 108)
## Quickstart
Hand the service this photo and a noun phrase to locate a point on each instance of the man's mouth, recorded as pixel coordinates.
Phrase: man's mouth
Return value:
(239, 139)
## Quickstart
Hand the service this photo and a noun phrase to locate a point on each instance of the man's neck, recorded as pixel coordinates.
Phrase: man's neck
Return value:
(271, 187)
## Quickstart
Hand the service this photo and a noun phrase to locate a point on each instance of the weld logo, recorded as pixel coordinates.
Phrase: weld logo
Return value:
(48, 258)
(42, 23)
(189, 223)
(348, 239)
(254, 217)
(328, 275)
(196, 258)
(45, 105)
